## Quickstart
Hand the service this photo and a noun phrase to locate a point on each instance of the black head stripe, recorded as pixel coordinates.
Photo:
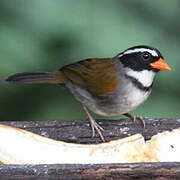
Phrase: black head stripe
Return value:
(134, 59)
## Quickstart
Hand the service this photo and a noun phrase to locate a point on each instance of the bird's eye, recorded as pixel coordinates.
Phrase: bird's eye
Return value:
(146, 56)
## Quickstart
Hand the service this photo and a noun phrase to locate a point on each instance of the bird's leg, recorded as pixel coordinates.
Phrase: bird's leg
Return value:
(94, 124)
(134, 118)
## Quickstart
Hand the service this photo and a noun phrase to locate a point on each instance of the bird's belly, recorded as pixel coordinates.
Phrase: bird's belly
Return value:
(121, 104)
(114, 104)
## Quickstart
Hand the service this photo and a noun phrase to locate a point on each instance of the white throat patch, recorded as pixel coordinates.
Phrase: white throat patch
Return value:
(145, 77)
(153, 52)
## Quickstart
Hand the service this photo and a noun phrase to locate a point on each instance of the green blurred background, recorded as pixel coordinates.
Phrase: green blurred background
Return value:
(43, 35)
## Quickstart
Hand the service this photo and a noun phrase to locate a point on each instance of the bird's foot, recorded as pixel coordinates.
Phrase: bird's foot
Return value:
(134, 118)
(97, 127)
(94, 125)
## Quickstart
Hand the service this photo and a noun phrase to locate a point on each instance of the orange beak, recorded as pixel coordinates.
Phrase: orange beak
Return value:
(160, 64)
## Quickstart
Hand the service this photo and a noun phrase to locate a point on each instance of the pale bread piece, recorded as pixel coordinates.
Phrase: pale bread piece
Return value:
(163, 147)
(19, 146)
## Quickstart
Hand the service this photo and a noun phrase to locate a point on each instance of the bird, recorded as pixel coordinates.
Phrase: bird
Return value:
(106, 86)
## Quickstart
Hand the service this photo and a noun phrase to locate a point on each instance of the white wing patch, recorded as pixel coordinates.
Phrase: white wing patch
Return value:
(130, 51)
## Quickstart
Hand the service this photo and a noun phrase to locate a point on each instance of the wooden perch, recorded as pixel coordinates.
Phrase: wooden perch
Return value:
(80, 132)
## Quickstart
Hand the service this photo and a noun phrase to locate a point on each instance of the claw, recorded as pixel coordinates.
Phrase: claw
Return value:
(134, 118)
(94, 125)
(142, 119)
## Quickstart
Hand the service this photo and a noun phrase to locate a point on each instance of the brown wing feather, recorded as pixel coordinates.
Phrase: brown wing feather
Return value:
(98, 76)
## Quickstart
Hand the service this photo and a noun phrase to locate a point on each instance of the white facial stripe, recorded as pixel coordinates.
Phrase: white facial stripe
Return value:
(121, 54)
(153, 52)
(145, 77)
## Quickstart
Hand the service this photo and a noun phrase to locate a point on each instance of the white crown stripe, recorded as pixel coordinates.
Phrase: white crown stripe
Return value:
(153, 52)
(121, 54)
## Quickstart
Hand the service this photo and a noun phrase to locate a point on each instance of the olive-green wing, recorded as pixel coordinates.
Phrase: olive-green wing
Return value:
(98, 76)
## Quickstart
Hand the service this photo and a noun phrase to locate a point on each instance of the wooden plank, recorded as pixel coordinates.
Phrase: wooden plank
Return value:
(78, 131)
(144, 171)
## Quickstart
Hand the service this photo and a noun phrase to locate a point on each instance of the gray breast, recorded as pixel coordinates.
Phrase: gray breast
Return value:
(124, 99)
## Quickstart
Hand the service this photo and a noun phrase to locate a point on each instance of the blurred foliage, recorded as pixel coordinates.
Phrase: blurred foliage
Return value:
(43, 35)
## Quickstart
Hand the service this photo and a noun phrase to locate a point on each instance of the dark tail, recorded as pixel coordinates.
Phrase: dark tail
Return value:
(36, 77)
